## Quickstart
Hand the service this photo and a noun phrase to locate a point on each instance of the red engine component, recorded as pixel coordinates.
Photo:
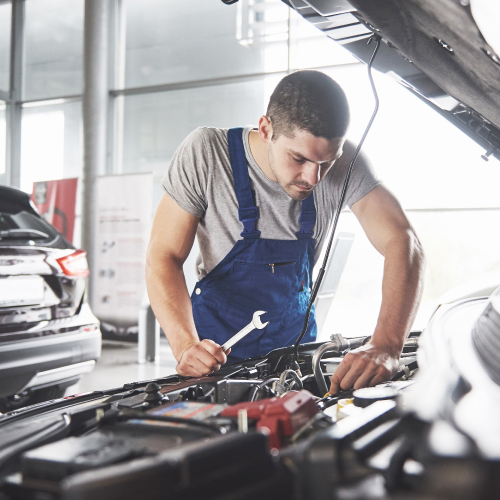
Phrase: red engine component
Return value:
(278, 417)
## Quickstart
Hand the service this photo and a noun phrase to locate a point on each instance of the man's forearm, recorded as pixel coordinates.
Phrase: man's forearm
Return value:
(172, 238)
(402, 287)
(171, 303)
(390, 232)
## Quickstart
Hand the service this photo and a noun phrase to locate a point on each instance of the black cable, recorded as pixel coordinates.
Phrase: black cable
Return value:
(405, 371)
(256, 388)
(166, 418)
(321, 273)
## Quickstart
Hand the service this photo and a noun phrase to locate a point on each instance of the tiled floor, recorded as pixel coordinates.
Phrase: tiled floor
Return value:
(118, 365)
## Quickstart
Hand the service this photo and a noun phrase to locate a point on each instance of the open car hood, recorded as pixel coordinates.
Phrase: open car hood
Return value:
(438, 49)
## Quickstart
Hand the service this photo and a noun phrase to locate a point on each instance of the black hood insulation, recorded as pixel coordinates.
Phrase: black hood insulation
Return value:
(432, 47)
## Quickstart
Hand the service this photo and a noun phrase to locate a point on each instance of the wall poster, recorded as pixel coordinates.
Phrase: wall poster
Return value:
(124, 217)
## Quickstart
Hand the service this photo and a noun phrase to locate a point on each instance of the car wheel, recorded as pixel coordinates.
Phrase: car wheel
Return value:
(31, 397)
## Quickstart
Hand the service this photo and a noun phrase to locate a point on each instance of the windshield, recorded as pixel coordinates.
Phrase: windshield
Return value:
(26, 229)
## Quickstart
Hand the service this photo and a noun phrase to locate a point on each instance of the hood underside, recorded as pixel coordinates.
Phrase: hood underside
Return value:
(432, 47)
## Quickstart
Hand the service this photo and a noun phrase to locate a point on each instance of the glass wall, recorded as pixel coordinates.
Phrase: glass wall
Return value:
(5, 23)
(53, 42)
(180, 41)
(155, 124)
(51, 146)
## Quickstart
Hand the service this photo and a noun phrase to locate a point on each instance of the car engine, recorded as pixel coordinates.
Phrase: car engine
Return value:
(260, 429)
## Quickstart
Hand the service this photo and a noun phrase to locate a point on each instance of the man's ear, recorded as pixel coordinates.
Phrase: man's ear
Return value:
(265, 129)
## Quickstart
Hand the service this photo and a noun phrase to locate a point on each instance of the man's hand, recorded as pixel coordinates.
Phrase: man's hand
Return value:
(201, 358)
(365, 366)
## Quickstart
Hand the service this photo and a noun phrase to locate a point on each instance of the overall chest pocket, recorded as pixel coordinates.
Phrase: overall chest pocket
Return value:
(278, 268)
(271, 281)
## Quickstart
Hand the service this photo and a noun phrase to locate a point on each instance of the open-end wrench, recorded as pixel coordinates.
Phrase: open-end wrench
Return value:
(256, 323)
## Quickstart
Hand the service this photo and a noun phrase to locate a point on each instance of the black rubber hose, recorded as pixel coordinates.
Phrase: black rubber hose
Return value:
(407, 368)
(256, 389)
(321, 273)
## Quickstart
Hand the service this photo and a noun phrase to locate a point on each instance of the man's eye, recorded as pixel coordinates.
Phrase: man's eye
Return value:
(298, 160)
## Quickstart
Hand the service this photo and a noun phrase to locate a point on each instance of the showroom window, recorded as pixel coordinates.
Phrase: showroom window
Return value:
(203, 40)
(53, 45)
(155, 124)
(5, 25)
(51, 146)
(49, 91)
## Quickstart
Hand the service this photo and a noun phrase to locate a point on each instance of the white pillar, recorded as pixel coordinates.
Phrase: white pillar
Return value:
(95, 112)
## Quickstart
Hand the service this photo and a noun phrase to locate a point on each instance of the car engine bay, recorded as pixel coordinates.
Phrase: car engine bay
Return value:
(260, 429)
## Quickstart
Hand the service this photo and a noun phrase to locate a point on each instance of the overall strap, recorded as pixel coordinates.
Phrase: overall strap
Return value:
(307, 218)
(248, 213)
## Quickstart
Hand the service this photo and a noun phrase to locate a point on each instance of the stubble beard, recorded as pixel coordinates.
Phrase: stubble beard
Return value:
(288, 187)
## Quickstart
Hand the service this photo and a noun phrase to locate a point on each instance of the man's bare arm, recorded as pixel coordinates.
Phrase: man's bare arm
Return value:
(390, 232)
(172, 238)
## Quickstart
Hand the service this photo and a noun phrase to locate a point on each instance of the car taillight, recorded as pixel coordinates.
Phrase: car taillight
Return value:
(75, 264)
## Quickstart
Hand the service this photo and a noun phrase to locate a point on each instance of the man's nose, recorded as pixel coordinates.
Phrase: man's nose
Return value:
(312, 173)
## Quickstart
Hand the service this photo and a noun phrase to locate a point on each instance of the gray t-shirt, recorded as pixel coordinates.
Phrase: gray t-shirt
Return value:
(200, 180)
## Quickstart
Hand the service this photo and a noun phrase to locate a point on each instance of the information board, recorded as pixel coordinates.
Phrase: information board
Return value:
(124, 216)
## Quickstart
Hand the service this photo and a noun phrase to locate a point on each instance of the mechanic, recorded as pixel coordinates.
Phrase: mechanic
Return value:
(280, 184)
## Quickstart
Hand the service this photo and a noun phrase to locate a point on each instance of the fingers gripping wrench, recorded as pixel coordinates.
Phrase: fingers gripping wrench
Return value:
(255, 323)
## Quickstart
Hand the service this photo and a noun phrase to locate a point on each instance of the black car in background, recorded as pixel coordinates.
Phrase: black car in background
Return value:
(48, 335)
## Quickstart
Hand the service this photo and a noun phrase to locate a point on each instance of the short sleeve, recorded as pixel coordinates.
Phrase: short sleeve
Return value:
(362, 181)
(187, 175)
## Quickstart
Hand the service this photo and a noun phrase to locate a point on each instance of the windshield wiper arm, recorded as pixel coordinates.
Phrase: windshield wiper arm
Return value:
(21, 234)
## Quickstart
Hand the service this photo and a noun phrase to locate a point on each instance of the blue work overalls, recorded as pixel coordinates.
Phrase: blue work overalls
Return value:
(257, 274)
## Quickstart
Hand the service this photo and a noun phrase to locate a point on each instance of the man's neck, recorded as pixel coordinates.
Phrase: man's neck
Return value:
(260, 154)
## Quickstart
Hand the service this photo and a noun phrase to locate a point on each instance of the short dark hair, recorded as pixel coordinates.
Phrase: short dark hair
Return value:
(308, 100)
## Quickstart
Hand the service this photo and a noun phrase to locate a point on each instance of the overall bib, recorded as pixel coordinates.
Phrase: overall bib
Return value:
(257, 274)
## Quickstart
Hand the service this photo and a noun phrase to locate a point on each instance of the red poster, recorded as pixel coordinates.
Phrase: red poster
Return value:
(56, 202)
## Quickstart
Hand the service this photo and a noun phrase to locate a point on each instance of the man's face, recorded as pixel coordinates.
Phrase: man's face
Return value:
(300, 162)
